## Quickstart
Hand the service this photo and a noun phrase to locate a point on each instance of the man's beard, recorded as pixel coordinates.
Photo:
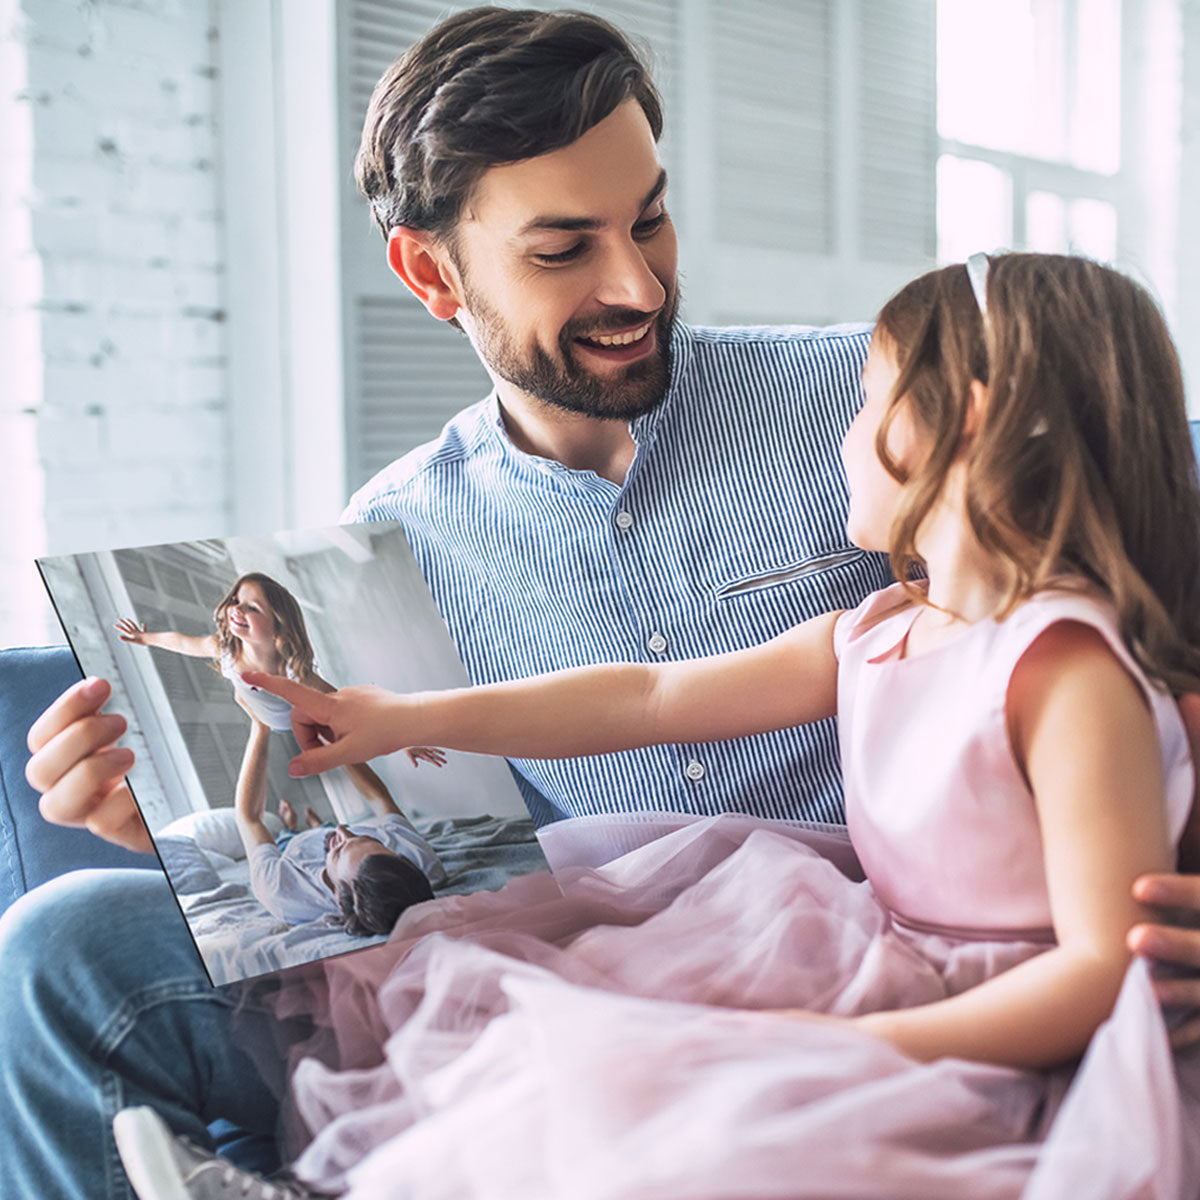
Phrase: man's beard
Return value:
(637, 389)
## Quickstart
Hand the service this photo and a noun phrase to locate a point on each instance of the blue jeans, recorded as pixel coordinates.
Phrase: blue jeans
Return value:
(103, 1004)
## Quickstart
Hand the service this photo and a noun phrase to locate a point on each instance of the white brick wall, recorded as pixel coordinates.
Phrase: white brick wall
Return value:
(115, 424)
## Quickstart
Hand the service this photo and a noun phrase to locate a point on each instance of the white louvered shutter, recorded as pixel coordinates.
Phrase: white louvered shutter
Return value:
(772, 129)
(897, 140)
(823, 157)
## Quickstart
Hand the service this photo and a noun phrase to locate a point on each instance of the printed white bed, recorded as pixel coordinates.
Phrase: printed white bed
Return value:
(238, 938)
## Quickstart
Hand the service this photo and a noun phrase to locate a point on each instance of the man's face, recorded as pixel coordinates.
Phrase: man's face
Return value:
(344, 853)
(567, 265)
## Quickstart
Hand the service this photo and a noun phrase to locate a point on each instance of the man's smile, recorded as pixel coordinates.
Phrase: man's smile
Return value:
(619, 339)
(624, 347)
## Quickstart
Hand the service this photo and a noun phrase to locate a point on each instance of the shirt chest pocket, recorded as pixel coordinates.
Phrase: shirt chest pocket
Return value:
(771, 577)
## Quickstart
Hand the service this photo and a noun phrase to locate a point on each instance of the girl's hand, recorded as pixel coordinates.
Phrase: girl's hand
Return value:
(130, 631)
(335, 729)
(428, 754)
(80, 770)
(1174, 942)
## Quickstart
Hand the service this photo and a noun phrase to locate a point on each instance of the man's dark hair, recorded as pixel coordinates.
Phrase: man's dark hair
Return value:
(489, 86)
(384, 886)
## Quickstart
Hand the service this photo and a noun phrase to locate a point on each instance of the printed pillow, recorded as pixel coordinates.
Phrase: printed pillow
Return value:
(187, 866)
(215, 829)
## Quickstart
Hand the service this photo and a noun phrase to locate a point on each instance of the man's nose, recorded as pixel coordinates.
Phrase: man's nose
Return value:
(628, 281)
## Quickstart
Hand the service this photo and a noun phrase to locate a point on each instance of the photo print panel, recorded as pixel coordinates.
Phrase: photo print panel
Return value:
(270, 871)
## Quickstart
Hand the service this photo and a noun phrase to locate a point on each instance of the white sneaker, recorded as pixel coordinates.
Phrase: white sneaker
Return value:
(162, 1166)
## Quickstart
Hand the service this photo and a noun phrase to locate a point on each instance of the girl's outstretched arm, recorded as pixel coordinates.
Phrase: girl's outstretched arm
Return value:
(590, 710)
(202, 646)
(1083, 733)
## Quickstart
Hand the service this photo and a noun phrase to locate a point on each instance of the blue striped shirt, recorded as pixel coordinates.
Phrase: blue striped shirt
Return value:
(728, 529)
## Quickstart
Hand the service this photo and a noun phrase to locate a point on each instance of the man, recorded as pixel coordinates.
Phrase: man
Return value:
(633, 489)
(367, 874)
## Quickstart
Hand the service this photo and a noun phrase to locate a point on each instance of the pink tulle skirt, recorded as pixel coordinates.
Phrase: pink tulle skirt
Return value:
(599, 1034)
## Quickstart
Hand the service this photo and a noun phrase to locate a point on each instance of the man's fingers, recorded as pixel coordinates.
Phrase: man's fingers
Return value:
(1166, 943)
(73, 799)
(1169, 891)
(82, 738)
(116, 819)
(309, 735)
(1187, 1034)
(83, 698)
(1182, 992)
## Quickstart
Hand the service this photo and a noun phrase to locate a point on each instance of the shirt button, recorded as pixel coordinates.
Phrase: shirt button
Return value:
(624, 519)
(657, 643)
(694, 770)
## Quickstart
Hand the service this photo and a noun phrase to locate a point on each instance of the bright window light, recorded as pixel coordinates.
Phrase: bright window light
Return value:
(1095, 140)
(1038, 78)
(1057, 225)
(998, 66)
(974, 208)
(1027, 88)
(1045, 223)
(1092, 229)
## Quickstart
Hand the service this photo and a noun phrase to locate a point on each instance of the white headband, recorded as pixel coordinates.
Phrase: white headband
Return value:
(977, 273)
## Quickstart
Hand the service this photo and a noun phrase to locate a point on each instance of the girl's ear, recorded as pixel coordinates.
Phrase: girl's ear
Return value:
(426, 270)
(977, 402)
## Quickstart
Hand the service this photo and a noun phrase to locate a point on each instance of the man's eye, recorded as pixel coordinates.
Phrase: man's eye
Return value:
(563, 256)
(650, 226)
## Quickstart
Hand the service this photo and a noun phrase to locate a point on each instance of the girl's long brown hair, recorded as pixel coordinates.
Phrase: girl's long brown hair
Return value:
(291, 635)
(1082, 463)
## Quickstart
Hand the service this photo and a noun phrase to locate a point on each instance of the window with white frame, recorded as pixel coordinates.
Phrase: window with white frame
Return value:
(1029, 125)
(1069, 126)
(1040, 103)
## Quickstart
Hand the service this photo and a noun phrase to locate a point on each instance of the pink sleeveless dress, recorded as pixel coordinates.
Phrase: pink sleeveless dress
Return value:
(594, 1035)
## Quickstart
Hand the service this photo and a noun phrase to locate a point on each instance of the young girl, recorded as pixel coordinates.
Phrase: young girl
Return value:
(1013, 756)
(260, 627)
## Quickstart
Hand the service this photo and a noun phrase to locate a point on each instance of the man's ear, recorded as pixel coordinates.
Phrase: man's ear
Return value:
(426, 270)
(327, 881)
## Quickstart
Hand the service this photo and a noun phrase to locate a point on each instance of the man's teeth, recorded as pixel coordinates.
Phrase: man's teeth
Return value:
(622, 339)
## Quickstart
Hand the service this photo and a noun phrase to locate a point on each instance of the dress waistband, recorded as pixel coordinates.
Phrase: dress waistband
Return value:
(1042, 933)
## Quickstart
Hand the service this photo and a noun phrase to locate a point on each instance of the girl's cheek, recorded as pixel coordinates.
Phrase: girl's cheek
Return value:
(853, 448)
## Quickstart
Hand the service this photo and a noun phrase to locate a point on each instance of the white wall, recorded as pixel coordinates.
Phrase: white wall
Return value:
(115, 425)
